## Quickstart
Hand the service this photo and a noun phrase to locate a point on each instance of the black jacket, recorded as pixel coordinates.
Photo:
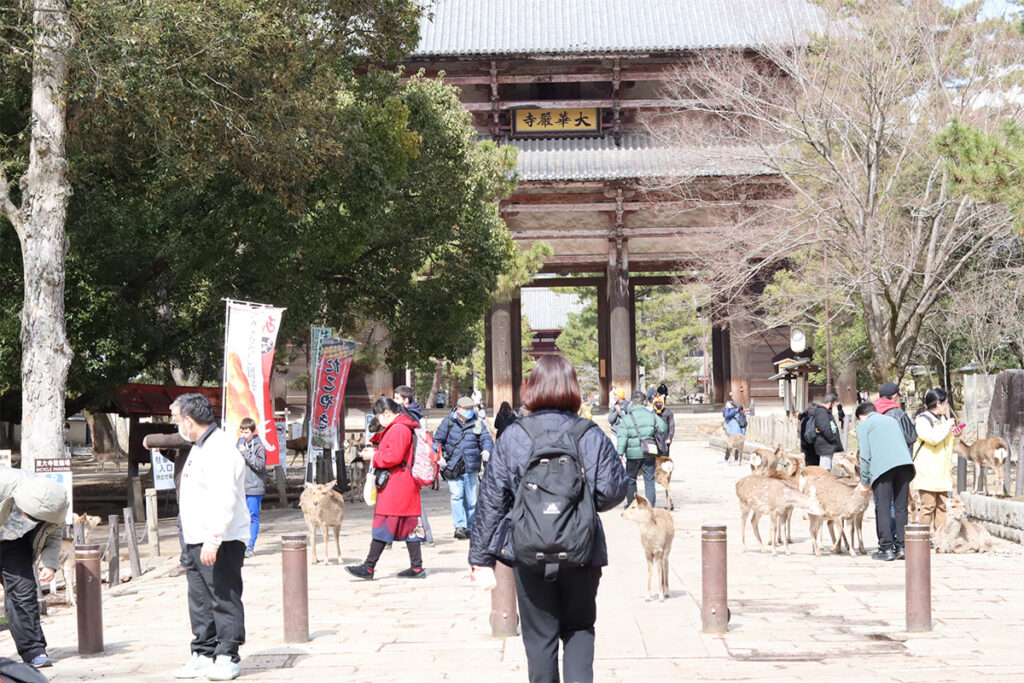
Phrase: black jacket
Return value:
(502, 421)
(670, 419)
(827, 441)
(605, 476)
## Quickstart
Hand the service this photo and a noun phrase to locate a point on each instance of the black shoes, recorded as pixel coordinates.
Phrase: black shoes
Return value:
(462, 533)
(412, 573)
(901, 552)
(360, 571)
(887, 554)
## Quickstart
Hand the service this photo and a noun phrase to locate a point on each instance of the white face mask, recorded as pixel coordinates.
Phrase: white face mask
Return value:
(182, 431)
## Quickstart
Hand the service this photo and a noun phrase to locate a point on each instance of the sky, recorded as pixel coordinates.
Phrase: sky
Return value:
(993, 8)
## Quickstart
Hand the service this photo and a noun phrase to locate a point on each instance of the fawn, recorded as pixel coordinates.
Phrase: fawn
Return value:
(663, 467)
(656, 533)
(324, 509)
(773, 497)
(991, 452)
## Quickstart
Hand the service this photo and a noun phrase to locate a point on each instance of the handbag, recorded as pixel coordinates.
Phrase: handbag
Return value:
(380, 478)
(454, 471)
(370, 489)
(647, 447)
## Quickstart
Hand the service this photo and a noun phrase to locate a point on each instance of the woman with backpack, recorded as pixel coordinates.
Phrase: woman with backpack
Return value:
(397, 511)
(933, 456)
(557, 600)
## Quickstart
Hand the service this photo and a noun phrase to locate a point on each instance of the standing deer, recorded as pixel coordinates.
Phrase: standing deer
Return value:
(733, 444)
(768, 496)
(656, 533)
(663, 468)
(324, 510)
(991, 452)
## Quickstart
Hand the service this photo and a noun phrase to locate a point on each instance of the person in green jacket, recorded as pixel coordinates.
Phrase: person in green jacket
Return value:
(636, 428)
(885, 466)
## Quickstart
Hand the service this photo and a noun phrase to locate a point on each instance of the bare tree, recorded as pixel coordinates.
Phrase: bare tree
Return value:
(845, 122)
(38, 218)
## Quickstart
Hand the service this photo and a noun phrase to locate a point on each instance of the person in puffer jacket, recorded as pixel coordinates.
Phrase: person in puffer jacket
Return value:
(566, 607)
(251, 448)
(33, 510)
(466, 442)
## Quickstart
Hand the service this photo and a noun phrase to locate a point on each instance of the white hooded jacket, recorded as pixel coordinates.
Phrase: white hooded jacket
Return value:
(40, 498)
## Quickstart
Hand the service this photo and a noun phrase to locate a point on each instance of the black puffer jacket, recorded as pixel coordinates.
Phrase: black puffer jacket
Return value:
(505, 469)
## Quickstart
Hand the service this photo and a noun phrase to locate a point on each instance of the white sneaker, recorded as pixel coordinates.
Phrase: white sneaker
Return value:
(223, 669)
(195, 668)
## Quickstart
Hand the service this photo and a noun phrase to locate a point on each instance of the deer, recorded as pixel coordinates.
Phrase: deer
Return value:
(66, 558)
(663, 467)
(657, 530)
(991, 452)
(760, 495)
(733, 443)
(840, 503)
(708, 429)
(324, 509)
(958, 535)
(764, 461)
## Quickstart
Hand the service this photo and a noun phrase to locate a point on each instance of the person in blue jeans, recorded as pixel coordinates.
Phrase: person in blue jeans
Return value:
(467, 443)
(255, 455)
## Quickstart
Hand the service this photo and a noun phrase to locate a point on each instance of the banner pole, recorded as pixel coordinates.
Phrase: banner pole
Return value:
(224, 369)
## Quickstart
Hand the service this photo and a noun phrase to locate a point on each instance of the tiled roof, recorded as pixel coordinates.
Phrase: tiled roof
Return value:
(637, 157)
(510, 27)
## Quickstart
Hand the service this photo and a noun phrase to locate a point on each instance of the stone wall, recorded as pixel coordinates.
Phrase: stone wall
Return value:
(1002, 517)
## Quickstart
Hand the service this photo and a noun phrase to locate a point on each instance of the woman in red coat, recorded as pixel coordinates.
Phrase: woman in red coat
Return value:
(396, 516)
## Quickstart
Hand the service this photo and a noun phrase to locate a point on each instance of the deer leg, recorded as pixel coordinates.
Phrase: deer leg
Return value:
(757, 532)
(337, 542)
(650, 576)
(773, 520)
(664, 575)
(743, 527)
(837, 547)
(815, 530)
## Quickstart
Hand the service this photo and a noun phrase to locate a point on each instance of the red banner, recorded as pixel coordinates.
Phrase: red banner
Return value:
(331, 378)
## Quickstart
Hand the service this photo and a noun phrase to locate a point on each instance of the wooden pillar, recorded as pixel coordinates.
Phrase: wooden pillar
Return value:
(720, 363)
(489, 364)
(604, 360)
(633, 364)
(501, 336)
(846, 385)
(739, 367)
(620, 350)
(516, 328)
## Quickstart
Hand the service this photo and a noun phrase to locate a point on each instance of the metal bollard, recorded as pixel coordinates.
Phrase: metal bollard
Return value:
(295, 588)
(714, 579)
(919, 577)
(152, 523)
(504, 610)
(88, 591)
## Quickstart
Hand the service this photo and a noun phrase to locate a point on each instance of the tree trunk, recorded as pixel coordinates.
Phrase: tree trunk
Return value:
(39, 222)
(104, 436)
(435, 386)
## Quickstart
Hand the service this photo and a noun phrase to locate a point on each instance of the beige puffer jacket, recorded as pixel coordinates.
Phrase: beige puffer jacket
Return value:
(42, 499)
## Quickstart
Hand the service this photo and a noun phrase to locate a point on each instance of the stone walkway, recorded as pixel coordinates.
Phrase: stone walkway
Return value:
(797, 617)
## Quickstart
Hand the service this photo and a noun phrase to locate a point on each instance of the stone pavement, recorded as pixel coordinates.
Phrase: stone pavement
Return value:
(794, 618)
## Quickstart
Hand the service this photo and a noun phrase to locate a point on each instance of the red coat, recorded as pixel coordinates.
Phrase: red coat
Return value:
(401, 497)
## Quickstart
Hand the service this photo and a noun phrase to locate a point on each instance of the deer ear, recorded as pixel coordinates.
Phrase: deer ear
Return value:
(642, 502)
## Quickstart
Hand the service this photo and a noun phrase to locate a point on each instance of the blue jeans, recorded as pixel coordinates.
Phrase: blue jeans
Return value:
(464, 490)
(253, 503)
(633, 465)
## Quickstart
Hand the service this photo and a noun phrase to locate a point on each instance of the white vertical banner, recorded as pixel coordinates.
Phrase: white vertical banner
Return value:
(250, 337)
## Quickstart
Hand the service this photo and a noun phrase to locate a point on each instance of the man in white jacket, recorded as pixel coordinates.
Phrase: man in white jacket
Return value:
(215, 526)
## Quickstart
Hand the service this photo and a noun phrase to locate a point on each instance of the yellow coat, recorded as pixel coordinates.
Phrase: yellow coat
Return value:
(933, 453)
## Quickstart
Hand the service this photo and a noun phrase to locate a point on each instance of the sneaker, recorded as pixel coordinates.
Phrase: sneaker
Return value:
(223, 669)
(195, 668)
(884, 554)
(461, 533)
(249, 552)
(360, 570)
(41, 661)
(412, 573)
(901, 552)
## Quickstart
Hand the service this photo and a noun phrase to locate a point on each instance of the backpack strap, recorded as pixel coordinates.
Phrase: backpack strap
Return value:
(535, 430)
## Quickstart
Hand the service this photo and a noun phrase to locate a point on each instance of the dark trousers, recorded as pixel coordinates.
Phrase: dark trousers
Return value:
(892, 487)
(215, 600)
(20, 595)
(564, 609)
(632, 467)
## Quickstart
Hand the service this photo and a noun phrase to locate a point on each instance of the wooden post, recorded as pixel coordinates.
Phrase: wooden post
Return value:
(132, 541)
(114, 552)
(152, 524)
(88, 592)
(135, 499)
(714, 573)
(281, 482)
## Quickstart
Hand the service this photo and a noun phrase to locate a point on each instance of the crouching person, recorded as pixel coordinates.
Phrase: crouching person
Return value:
(215, 525)
(32, 514)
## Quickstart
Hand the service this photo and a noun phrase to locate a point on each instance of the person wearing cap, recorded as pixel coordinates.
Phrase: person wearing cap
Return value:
(636, 434)
(466, 443)
(33, 510)
(888, 404)
(826, 441)
(618, 409)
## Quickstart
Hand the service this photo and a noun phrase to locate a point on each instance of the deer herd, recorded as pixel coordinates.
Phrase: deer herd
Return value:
(780, 483)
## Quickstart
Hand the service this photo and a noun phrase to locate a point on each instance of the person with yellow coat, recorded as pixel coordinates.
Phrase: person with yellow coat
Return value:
(933, 456)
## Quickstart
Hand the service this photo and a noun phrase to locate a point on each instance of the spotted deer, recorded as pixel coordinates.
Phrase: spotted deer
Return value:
(324, 510)
(991, 452)
(760, 495)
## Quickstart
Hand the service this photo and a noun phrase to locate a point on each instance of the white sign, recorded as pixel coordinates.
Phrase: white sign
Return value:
(58, 469)
(163, 471)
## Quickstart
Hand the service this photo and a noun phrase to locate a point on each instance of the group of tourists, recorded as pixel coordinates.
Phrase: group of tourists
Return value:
(898, 454)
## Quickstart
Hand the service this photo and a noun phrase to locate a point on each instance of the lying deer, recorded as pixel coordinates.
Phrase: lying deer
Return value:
(324, 509)
(733, 444)
(656, 533)
(663, 467)
(991, 452)
(958, 535)
(769, 496)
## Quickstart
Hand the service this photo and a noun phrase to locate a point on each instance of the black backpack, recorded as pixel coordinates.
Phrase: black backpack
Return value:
(553, 520)
(741, 419)
(810, 432)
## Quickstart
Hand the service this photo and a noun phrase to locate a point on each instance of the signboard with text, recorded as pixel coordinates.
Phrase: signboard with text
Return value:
(331, 378)
(58, 469)
(555, 122)
(163, 471)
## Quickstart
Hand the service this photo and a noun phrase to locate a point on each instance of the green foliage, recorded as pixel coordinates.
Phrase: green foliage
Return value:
(578, 341)
(668, 337)
(239, 152)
